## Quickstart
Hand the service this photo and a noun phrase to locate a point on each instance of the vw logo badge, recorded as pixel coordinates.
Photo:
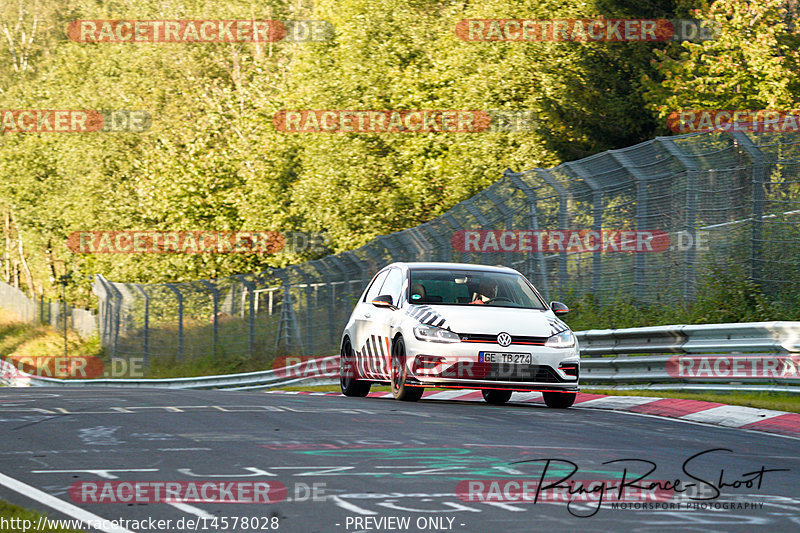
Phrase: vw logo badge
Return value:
(504, 339)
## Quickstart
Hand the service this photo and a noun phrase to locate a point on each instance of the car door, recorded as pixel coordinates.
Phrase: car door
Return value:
(363, 316)
(379, 331)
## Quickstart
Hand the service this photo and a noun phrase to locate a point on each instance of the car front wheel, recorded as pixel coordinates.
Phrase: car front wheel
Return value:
(496, 397)
(400, 390)
(559, 400)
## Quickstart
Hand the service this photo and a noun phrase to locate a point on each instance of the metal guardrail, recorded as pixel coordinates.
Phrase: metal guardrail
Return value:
(611, 362)
(748, 337)
(755, 356)
(305, 372)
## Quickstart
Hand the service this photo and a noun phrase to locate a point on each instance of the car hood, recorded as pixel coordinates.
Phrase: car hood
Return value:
(484, 319)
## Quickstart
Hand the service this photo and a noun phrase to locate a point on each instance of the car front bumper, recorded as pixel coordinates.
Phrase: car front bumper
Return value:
(457, 365)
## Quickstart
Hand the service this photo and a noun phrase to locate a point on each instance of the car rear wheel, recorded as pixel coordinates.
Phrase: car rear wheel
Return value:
(559, 400)
(400, 390)
(347, 374)
(496, 397)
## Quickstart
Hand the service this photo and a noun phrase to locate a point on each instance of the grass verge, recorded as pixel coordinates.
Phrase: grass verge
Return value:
(22, 339)
(14, 520)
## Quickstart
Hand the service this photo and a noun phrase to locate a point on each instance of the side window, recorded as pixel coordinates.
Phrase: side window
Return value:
(372, 292)
(393, 285)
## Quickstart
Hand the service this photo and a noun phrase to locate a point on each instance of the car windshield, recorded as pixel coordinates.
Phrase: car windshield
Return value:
(472, 287)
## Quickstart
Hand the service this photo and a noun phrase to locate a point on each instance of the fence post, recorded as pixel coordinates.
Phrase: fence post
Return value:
(146, 342)
(563, 223)
(451, 221)
(642, 215)
(597, 221)
(251, 312)
(691, 213)
(508, 216)
(215, 298)
(324, 275)
(179, 296)
(443, 245)
(530, 195)
(345, 290)
(758, 180)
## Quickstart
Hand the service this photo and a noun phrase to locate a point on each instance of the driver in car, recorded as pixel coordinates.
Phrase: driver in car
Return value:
(487, 290)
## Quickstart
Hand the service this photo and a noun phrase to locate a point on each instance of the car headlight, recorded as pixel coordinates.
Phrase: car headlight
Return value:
(424, 332)
(564, 339)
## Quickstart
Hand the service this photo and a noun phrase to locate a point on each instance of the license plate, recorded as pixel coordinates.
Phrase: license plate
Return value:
(499, 357)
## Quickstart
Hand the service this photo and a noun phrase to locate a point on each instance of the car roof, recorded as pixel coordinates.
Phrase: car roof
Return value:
(454, 266)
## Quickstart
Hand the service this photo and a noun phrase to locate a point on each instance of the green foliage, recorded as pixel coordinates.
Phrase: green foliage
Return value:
(213, 161)
(724, 294)
(752, 64)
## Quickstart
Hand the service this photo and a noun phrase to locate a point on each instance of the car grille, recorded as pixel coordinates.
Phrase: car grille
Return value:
(502, 372)
(492, 339)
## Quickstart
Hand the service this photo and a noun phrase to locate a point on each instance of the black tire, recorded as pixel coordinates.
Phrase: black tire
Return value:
(347, 374)
(398, 374)
(559, 400)
(496, 397)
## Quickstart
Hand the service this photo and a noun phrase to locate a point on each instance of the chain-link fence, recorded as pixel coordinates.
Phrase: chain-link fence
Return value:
(15, 302)
(724, 197)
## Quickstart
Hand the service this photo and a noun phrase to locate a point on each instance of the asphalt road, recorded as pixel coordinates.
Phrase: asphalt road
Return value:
(367, 464)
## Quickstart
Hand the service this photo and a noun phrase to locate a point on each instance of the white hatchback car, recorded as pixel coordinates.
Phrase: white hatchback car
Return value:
(455, 325)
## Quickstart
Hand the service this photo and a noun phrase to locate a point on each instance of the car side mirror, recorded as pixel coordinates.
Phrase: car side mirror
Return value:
(559, 308)
(384, 300)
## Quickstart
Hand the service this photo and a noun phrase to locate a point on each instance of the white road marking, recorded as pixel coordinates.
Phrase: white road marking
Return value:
(347, 506)
(732, 415)
(103, 473)
(447, 395)
(60, 505)
(186, 508)
(618, 402)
